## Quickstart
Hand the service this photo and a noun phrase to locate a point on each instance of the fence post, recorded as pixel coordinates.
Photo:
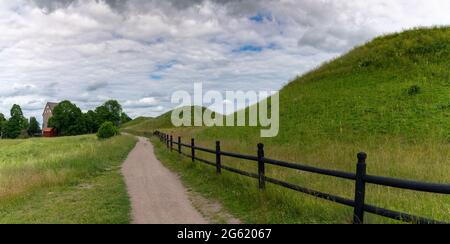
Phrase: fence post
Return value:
(171, 142)
(218, 159)
(179, 144)
(192, 149)
(261, 167)
(167, 141)
(360, 189)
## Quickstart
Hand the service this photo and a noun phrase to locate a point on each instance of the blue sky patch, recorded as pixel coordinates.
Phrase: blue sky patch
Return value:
(156, 77)
(165, 66)
(261, 17)
(249, 48)
(257, 18)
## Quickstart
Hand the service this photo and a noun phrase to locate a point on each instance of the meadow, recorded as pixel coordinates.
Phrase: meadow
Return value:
(64, 180)
(389, 98)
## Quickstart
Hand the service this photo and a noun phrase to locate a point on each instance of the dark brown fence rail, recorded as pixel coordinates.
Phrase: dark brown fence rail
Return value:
(360, 178)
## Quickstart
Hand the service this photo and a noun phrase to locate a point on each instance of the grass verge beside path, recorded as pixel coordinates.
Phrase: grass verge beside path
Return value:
(64, 180)
(242, 198)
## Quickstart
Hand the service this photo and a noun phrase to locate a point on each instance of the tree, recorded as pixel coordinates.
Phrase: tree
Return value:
(124, 118)
(17, 123)
(91, 120)
(2, 124)
(34, 127)
(67, 119)
(109, 111)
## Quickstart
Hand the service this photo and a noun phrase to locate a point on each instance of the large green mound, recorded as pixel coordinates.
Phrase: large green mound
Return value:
(396, 85)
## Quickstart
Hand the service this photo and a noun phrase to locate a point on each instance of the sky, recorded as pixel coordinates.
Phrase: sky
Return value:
(140, 51)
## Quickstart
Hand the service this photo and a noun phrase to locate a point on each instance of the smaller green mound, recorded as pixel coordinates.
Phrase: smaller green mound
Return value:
(164, 121)
(136, 121)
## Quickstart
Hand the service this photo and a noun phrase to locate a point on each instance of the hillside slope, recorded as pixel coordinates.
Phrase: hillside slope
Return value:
(147, 124)
(397, 85)
(389, 98)
(135, 121)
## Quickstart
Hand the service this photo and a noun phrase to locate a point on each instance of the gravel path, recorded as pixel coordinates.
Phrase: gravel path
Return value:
(157, 195)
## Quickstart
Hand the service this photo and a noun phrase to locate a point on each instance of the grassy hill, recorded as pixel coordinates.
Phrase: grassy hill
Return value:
(144, 124)
(389, 98)
(136, 121)
(148, 124)
(64, 180)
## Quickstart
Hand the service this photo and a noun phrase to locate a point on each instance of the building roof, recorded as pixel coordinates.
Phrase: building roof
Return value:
(51, 105)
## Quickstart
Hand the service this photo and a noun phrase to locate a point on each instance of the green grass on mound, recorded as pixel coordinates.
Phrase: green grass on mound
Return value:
(143, 124)
(136, 121)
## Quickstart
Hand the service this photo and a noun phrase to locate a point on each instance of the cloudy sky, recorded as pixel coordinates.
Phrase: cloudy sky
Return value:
(140, 51)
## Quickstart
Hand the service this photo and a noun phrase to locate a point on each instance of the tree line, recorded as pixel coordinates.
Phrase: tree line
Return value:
(17, 126)
(67, 119)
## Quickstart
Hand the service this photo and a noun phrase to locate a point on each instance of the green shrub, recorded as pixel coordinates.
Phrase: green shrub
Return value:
(107, 130)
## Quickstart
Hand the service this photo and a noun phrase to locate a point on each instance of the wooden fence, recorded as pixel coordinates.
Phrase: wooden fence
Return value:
(360, 178)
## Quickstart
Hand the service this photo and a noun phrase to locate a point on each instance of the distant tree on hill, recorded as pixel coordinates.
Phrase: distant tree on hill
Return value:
(67, 119)
(2, 124)
(109, 111)
(34, 127)
(17, 123)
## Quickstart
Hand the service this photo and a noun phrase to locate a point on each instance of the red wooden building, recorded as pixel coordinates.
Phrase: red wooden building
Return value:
(49, 132)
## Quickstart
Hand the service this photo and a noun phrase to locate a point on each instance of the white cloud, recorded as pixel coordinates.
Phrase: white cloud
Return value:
(146, 102)
(139, 51)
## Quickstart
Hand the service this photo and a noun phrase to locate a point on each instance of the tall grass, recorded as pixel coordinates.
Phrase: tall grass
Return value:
(32, 169)
(391, 158)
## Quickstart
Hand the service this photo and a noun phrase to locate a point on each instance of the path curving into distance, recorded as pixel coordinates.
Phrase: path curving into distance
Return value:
(157, 194)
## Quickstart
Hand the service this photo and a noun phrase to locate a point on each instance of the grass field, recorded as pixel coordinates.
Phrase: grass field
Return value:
(389, 98)
(64, 180)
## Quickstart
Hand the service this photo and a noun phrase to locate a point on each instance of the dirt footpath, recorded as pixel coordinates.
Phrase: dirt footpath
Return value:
(157, 195)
